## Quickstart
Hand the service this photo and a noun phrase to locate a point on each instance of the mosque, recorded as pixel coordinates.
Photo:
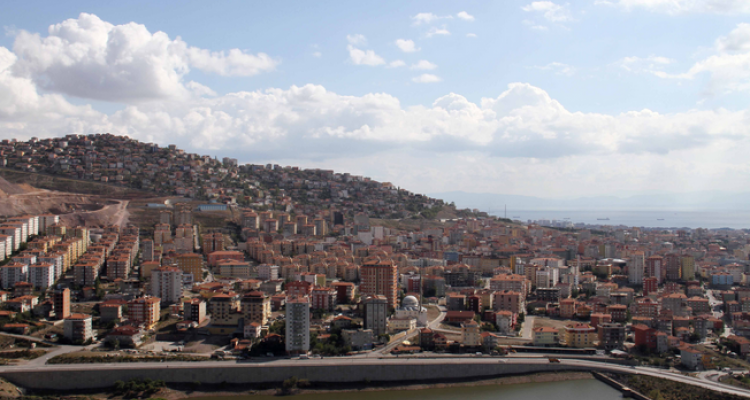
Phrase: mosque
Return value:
(410, 309)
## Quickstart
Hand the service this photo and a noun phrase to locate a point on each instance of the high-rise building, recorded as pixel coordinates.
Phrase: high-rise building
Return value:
(655, 268)
(297, 335)
(42, 275)
(183, 214)
(166, 284)
(77, 328)
(194, 310)
(635, 268)
(256, 307)
(212, 242)
(61, 301)
(145, 310)
(650, 286)
(13, 273)
(688, 267)
(673, 267)
(380, 278)
(376, 314)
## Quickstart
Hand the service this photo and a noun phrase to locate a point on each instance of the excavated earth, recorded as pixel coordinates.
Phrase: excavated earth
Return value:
(73, 208)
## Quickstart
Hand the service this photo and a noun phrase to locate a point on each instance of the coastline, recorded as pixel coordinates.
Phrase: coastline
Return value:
(173, 394)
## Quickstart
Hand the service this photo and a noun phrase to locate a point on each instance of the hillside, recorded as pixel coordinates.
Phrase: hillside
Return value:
(120, 167)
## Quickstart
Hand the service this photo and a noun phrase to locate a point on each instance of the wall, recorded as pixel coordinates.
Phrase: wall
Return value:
(101, 376)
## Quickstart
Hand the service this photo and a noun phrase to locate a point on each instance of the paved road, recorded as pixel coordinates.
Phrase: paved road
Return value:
(579, 364)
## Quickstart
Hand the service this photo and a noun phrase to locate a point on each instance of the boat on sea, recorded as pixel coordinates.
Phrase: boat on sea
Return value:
(602, 219)
(660, 219)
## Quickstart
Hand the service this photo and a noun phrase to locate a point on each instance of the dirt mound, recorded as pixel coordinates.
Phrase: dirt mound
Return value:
(9, 189)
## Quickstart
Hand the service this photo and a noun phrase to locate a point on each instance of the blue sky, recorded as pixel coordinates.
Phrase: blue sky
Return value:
(520, 97)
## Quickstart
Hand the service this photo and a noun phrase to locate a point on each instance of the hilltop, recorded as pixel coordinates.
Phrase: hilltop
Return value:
(130, 169)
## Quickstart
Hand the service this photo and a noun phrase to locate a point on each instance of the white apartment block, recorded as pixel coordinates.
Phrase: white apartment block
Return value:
(166, 284)
(635, 269)
(15, 236)
(12, 273)
(297, 336)
(268, 272)
(42, 275)
(56, 261)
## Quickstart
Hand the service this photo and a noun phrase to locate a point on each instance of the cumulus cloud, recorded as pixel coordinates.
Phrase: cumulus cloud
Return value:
(427, 18)
(550, 11)
(682, 6)
(407, 46)
(518, 136)
(437, 31)
(728, 67)
(533, 25)
(471, 35)
(364, 57)
(426, 78)
(423, 64)
(90, 58)
(465, 16)
(396, 64)
(650, 64)
(356, 39)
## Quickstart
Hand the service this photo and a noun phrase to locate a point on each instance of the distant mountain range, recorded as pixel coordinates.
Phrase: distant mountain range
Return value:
(693, 201)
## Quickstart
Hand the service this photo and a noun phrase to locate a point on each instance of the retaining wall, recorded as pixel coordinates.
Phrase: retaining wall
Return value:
(95, 377)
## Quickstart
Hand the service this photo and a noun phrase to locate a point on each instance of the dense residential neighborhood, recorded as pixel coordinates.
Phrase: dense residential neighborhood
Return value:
(299, 267)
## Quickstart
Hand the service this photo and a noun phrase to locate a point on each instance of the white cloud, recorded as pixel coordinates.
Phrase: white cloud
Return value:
(558, 68)
(522, 137)
(648, 64)
(533, 25)
(407, 46)
(423, 64)
(728, 67)
(356, 39)
(550, 11)
(437, 31)
(364, 57)
(396, 64)
(317, 54)
(90, 58)
(427, 18)
(682, 6)
(471, 35)
(426, 78)
(737, 41)
(465, 16)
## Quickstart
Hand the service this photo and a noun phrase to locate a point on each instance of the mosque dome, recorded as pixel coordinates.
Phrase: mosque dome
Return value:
(410, 301)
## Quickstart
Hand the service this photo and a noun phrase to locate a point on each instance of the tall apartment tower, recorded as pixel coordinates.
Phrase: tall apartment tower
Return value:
(183, 214)
(212, 242)
(297, 336)
(166, 284)
(635, 268)
(688, 267)
(380, 278)
(655, 268)
(61, 301)
(376, 314)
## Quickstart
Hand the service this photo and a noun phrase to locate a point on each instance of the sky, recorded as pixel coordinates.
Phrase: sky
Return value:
(537, 98)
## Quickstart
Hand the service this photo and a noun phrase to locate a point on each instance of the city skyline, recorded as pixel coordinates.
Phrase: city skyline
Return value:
(526, 98)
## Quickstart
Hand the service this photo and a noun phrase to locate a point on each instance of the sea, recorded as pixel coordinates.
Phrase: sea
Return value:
(739, 219)
(587, 389)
